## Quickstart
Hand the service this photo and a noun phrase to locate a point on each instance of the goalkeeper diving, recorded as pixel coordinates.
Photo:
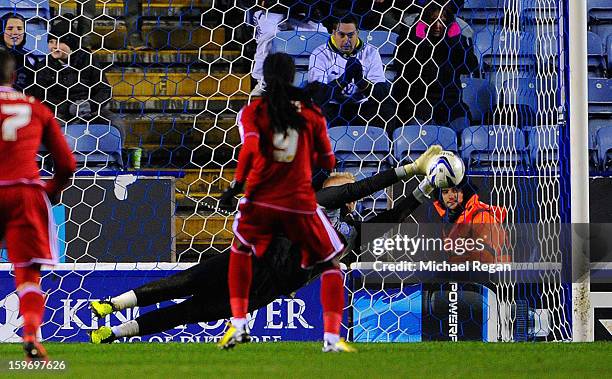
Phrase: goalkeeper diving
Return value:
(278, 273)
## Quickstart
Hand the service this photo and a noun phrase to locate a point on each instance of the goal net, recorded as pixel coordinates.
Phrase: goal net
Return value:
(148, 93)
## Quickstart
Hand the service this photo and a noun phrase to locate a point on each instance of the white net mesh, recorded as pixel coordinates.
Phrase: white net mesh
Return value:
(181, 70)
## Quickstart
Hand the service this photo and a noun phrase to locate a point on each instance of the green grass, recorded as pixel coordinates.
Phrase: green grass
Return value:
(290, 360)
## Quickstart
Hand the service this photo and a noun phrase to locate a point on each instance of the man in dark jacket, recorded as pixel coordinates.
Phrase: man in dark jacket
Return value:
(429, 63)
(72, 83)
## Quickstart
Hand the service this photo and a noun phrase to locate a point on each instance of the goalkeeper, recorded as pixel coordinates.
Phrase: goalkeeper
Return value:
(276, 274)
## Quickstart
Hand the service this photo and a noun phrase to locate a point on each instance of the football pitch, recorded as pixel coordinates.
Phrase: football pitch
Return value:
(297, 360)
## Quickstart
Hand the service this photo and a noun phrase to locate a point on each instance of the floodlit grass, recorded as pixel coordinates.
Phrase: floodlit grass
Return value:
(291, 360)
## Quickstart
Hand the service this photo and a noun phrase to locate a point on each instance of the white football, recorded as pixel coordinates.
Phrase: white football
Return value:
(446, 170)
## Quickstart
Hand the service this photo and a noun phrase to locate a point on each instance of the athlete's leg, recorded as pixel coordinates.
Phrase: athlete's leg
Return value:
(31, 298)
(205, 276)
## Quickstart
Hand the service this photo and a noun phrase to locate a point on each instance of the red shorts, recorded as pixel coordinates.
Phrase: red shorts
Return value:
(256, 224)
(26, 226)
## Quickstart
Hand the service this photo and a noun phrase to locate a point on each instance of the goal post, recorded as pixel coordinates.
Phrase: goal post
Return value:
(582, 315)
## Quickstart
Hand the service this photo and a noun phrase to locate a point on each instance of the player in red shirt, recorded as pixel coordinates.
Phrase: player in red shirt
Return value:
(283, 134)
(26, 223)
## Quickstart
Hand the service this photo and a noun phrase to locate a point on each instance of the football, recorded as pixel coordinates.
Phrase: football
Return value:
(446, 170)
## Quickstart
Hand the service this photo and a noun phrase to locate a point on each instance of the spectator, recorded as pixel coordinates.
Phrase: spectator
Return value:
(14, 40)
(430, 60)
(346, 78)
(468, 217)
(72, 82)
(277, 16)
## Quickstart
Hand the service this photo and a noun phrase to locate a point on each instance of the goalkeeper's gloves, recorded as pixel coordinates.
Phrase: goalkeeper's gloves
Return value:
(226, 201)
(420, 166)
(424, 190)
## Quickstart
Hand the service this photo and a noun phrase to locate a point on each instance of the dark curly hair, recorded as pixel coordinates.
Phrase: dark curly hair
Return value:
(280, 94)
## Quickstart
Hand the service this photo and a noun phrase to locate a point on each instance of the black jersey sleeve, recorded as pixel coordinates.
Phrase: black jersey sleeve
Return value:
(398, 213)
(335, 197)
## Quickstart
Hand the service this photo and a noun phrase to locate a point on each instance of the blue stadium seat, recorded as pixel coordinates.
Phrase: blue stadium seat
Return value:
(596, 59)
(600, 96)
(600, 18)
(96, 147)
(523, 93)
(594, 126)
(411, 141)
(538, 18)
(36, 38)
(301, 78)
(298, 44)
(360, 146)
(609, 52)
(482, 11)
(377, 201)
(494, 49)
(604, 148)
(544, 145)
(26, 8)
(485, 147)
(479, 96)
(386, 42)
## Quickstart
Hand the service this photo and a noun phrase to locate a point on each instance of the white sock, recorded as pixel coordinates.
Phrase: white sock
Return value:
(124, 301)
(331, 338)
(239, 323)
(127, 329)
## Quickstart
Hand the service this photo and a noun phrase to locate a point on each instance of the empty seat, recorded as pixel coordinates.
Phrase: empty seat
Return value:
(521, 98)
(600, 17)
(411, 141)
(604, 148)
(301, 78)
(96, 147)
(26, 8)
(600, 96)
(539, 17)
(36, 38)
(479, 96)
(596, 60)
(378, 200)
(609, 52)
(385, 42)
(506, 49)
(595, 124)
(360, 146)
(486, 147)
(482, 11)
(544, 147)
(298, 44)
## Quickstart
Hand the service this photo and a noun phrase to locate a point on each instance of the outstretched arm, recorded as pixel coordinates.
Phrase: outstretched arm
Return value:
(335, 197)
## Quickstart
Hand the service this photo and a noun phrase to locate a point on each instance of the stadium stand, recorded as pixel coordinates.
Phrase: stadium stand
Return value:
(95, 147)
(360, 146)
(600, 17)
(600, 97)
(486, 147)
(181, 96)
(412, 140)
(362, 151)
(479, 96)
(596, 59)
(544, 147)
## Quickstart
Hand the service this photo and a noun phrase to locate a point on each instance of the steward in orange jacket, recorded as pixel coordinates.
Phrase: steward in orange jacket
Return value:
(468, 217)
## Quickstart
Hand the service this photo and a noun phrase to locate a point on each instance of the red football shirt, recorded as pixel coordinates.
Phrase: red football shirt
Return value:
(25, 123)
(281, 177)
